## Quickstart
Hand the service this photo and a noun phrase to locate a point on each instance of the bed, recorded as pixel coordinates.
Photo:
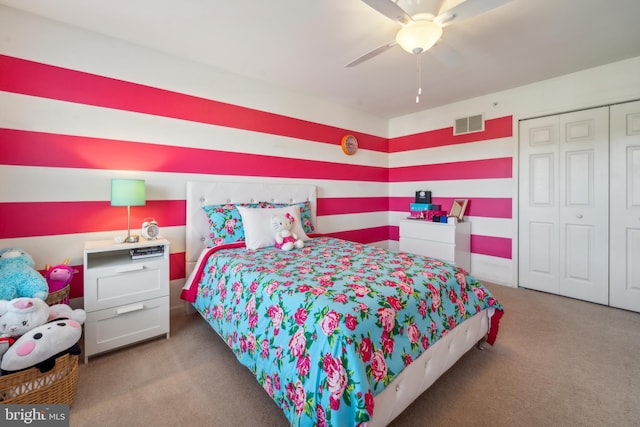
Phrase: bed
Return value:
(337, 333)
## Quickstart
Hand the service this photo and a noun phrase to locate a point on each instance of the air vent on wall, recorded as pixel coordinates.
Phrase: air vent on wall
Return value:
(469, 124)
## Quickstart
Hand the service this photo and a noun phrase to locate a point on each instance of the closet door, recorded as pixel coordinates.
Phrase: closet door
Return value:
(625, 206)
(538, 204)
(584, 205)
(564, 204)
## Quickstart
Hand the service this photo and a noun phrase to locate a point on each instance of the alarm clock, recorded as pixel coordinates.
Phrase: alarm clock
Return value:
(150, 230)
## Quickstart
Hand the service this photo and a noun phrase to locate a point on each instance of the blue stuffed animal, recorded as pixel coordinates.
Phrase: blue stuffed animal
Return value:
(18, 278)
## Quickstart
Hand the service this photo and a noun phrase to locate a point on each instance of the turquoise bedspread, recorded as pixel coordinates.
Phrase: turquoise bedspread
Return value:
(325, 328)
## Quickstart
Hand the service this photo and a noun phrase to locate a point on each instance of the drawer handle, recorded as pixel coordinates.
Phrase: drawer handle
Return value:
(128, 268)
(130, 308)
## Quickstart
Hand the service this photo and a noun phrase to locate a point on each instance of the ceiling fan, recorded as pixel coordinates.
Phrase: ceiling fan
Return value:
(422, 21)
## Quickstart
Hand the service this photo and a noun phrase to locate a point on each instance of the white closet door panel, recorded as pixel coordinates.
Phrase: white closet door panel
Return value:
(542, 271)
(633, 178)
(578, 256)
(579, 178)
(584, 205)
(538, 205)
(625, 206)
(579, 127)
(542, 131)
(632, 282)
(541, 238)
(541, 180)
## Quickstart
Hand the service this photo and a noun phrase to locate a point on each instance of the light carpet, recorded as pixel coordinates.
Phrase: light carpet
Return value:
(556, 362)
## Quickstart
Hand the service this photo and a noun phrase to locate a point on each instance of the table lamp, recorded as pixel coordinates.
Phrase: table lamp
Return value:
(128, 192)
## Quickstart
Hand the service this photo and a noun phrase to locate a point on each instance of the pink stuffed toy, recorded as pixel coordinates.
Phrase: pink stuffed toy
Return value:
(59, 276)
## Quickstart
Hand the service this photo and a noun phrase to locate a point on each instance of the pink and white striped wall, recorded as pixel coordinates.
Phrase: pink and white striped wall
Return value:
(70, 122)
(69, 95)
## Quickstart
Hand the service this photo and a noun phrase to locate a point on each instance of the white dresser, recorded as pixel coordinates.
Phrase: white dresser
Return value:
(126, 300)
(448, 242)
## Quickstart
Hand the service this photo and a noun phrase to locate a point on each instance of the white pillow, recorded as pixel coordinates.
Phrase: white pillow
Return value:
(257, 225)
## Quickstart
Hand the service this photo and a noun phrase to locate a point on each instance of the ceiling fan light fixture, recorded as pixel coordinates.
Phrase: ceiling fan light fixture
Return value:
(419, 36)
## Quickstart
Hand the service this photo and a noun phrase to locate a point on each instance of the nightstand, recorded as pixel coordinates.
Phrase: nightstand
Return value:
(445, 241)
(126, 299)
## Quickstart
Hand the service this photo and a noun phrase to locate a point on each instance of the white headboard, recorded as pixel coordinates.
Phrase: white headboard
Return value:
(215, 193)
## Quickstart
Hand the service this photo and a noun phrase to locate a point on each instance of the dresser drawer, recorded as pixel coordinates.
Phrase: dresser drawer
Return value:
(126, 324)
(126, 283)
(447, 242)
(426, 230)
(442, 251)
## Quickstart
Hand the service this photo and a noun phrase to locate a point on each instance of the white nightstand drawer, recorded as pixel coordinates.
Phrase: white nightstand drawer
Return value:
(123, 284)
(126, 324)
(443, 251)
(437, 231)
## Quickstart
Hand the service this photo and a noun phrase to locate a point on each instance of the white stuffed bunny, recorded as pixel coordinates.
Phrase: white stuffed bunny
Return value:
(20, 315)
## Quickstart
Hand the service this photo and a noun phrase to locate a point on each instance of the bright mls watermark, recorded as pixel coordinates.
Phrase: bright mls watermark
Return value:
(34, 415)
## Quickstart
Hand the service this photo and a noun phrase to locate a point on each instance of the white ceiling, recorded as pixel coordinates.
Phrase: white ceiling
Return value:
(304, 45)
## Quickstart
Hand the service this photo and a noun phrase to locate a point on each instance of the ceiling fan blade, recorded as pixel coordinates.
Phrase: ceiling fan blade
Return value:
(375, 52)
(389, 9)
(467, 9)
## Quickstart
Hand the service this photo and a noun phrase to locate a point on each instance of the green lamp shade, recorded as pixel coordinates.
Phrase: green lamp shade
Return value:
(127, 192)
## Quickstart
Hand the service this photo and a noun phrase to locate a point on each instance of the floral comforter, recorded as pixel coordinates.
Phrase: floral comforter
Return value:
(325, 328)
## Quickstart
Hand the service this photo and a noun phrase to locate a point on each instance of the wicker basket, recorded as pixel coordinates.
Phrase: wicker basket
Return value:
(61, 296)
(34, 387)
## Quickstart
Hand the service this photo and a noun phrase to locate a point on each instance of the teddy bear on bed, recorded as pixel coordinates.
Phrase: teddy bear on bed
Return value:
(285, 238)
(18, 278)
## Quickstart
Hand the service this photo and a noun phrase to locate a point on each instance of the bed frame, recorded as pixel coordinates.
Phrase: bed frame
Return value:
(411, 382)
